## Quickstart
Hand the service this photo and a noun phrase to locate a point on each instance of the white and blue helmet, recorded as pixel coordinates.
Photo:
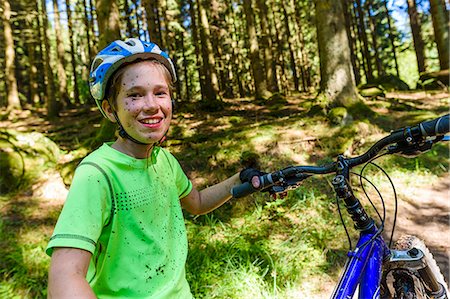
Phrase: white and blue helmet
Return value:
(115, 55)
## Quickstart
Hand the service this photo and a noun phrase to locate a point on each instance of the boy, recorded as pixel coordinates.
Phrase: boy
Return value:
(121, 232)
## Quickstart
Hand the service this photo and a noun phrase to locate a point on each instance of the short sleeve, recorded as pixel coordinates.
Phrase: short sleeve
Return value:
(86, 211)
(184, 185)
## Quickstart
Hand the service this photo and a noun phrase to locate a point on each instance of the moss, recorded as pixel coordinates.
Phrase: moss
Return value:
(24, 155)
(339, 115)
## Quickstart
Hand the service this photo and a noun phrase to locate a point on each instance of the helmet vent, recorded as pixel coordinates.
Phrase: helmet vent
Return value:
(130, 43)
(97, 62)
(115, 49)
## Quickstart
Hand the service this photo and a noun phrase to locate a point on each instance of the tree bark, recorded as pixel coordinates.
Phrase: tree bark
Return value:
(152, 24)
(351, 40)
(304, 63)
(261, 91)
(373, 26)
(60, 61)
(337, 84)
(417, 35)
(365, 42)
(108, 19)
(391, 38)
(439, 15)
(291, 42)
(211, 79)
(88, 29)
(50, 99)
(76, 92)
(266, 45)
(196, 42)
(10, 54)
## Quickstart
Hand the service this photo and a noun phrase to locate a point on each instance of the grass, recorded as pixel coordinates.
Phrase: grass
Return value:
(254, 247)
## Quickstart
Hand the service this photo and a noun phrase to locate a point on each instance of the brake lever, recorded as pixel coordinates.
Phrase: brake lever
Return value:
(413, 149)
(286, 185)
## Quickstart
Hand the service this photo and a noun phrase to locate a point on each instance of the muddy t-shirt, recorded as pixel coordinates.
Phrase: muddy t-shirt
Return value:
(127, 213)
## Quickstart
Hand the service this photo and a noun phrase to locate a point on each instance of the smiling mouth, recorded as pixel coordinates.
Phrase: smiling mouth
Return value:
(151, 121)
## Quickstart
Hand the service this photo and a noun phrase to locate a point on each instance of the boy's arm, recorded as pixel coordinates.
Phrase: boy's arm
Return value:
(67, 275)
(208, 199)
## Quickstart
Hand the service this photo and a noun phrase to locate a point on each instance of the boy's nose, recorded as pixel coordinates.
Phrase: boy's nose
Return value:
(150, 103)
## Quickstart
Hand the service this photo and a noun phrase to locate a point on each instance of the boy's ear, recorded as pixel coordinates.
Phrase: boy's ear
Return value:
(108, 111)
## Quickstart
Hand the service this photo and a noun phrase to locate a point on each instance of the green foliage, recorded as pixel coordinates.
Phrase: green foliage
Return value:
(24, 155)
(252, 247)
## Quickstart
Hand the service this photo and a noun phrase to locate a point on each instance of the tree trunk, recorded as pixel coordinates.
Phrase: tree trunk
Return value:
(351, 40)
(372, 24)
(236, 64)
(363, 36)
(261, 91)
(439, 14)
(76, 92)
(88, 29)
(196, 42)
(211, 79)
(266, 45)
(34, 92)
(337, 83)
(60, 61)
(391, 38)
(150, 7)
(417, 35)
(304, 63)
(91, 26)
(51, 103)
(10, 54)
(291, 43)
(108, 19)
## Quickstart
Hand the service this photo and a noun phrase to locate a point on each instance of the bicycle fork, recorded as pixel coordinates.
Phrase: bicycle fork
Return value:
(412, 260)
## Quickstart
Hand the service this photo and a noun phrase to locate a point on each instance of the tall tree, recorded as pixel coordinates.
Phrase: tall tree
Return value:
(60, 52)
(351, 39)
(291, 42)
(416, 30)
(373, 30)
(211, 78)
(50, 99)
(261, 91)
(108, 20)
(151, 9)
(439, 15)
(10, 54)
(196, 42)
(76, 92)
(266, 45)
(391, 37)
(365, 42)
(336, 79)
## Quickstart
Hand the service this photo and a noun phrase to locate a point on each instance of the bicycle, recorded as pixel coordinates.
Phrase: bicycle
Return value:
(408, 270)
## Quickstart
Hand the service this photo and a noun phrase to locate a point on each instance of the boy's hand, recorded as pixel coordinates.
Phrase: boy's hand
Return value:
(251, 175)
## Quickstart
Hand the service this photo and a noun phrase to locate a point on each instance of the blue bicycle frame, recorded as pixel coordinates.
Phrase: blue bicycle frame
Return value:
(363, 267)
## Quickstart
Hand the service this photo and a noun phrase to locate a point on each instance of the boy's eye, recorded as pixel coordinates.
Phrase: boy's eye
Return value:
(134, 95)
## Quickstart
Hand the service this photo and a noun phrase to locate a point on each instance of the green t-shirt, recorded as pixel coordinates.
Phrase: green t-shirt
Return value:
(127, 213)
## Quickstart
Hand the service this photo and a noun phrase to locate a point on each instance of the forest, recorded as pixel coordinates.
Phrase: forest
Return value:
(285, 81)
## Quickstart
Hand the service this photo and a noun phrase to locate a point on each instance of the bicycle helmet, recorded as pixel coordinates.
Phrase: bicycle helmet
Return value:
(117, 54)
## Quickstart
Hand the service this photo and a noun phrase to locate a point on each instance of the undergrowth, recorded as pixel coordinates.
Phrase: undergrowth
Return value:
(255, 247)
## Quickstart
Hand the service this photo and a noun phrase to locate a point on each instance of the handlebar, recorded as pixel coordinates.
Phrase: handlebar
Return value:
(408, 141)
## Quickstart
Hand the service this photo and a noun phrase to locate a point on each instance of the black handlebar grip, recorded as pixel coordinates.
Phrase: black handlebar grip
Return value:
(438, 126)
(242, 190)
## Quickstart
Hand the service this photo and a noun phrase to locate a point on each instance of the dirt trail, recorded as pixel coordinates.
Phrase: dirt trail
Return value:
(424, 211)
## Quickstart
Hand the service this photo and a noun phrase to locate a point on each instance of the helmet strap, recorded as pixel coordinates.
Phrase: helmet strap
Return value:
(124, 134)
